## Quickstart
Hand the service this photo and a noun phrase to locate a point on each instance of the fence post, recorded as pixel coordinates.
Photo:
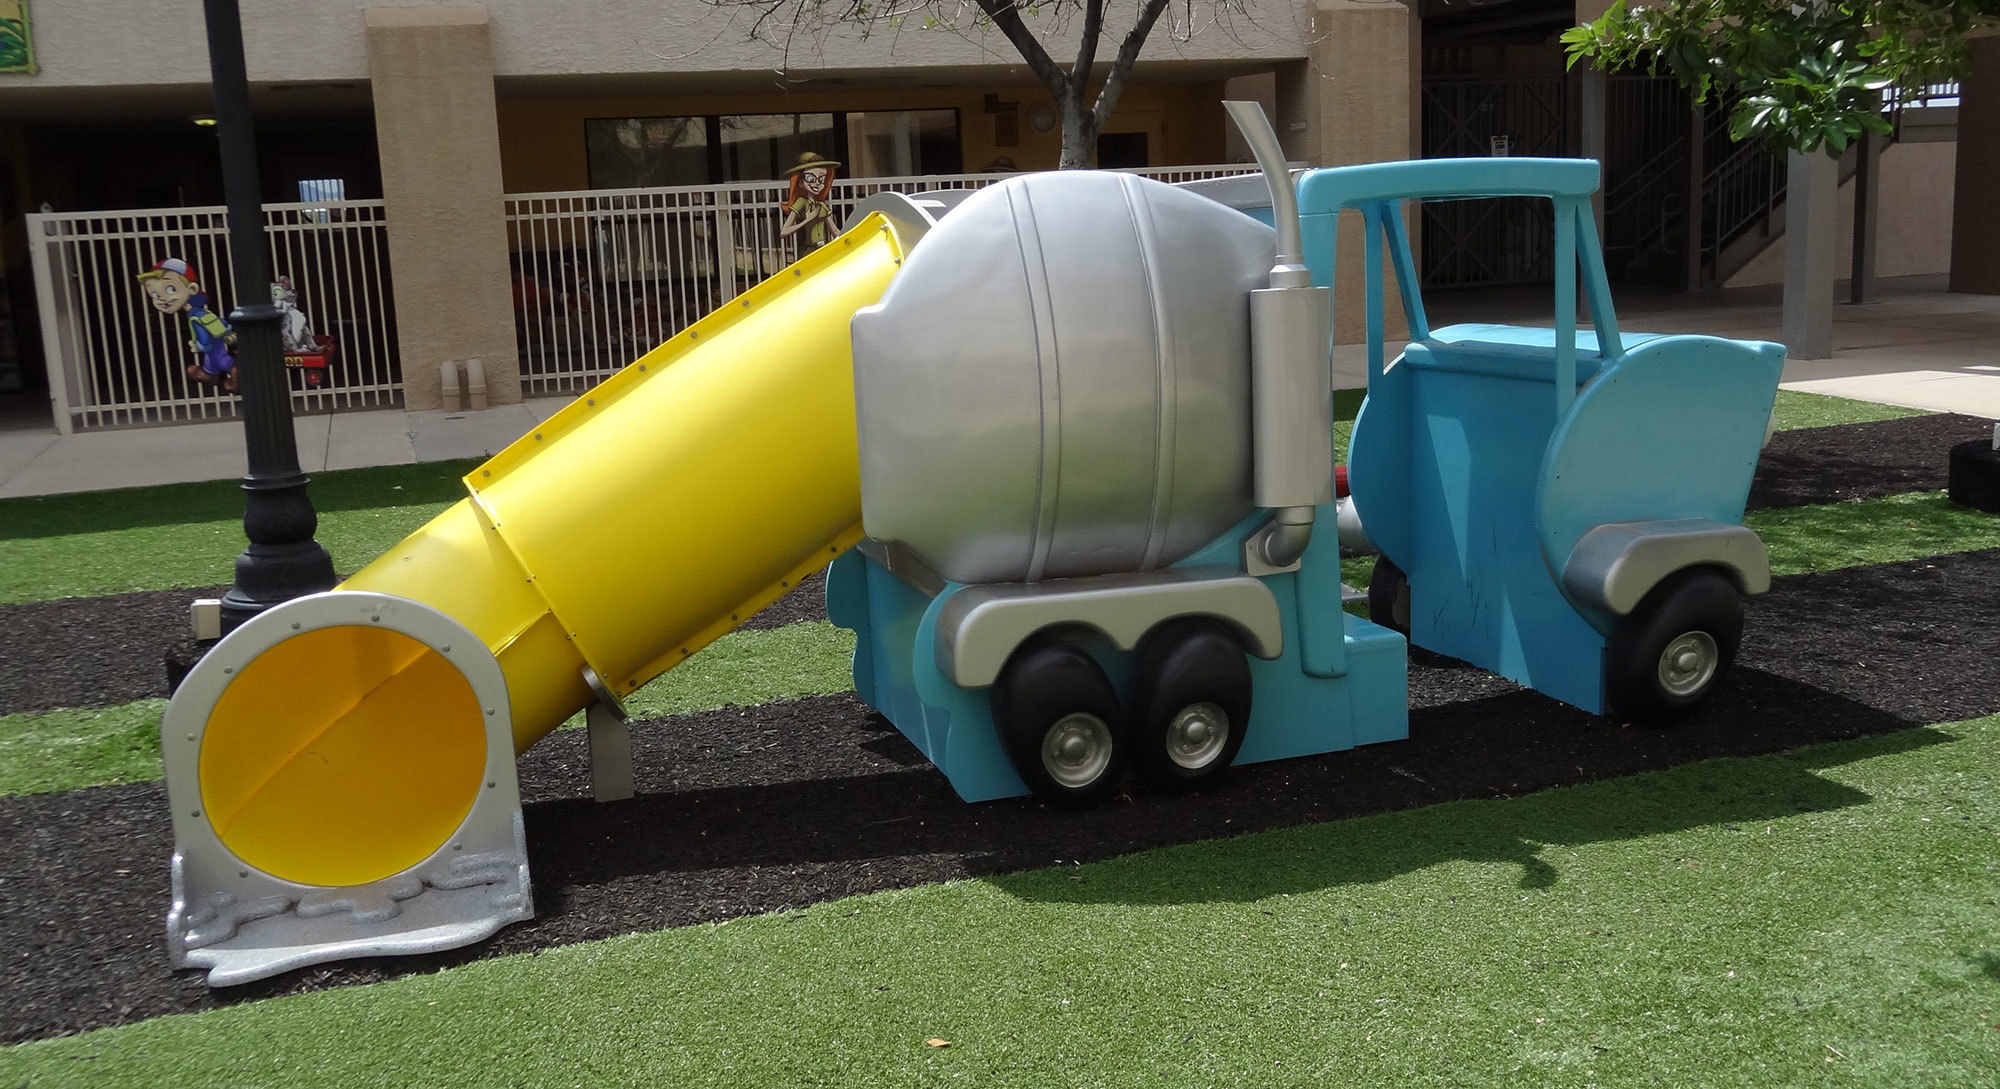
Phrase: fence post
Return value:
(56, 356)
(725, 247)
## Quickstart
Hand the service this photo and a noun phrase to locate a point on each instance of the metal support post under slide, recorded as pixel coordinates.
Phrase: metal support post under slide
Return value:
(610, 753)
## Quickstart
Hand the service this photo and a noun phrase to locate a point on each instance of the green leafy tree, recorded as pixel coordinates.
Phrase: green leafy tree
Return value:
(1803, 74)
(1032, 27)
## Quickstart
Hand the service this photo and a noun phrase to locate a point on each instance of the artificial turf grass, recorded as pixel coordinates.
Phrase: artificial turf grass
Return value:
(436, 482)
(1796, 409)
(68, 749)
(1822, 917)
(1886, 530)
(747, 668)
(180, 535)
(175, 535)
(46, 751)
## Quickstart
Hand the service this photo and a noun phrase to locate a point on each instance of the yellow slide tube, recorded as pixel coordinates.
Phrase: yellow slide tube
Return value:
(638, 524)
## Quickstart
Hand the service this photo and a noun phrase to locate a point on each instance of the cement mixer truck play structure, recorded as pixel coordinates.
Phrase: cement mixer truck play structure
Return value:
(1067, 446)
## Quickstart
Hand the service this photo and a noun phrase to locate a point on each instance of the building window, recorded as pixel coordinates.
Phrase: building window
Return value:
(900, 143)
(646, 152)
(757, 147)
(317, 190)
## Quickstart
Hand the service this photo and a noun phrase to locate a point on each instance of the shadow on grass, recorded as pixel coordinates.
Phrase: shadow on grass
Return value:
(1731, 795)
(909, 822)
(222, 500)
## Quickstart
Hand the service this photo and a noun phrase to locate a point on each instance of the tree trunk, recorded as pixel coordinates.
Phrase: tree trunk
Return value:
(1079, 134)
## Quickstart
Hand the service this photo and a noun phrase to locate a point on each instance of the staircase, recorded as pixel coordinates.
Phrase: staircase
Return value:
(1644, 209)
(1743, 195)
(1646, 182)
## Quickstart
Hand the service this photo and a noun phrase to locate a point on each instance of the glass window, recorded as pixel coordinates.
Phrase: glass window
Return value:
(645, 152)
(760, 147)
(314, 190)
(901, 143)
(641, 152)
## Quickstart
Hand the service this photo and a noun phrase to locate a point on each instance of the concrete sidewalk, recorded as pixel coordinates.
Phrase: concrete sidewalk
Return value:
(1920, 346)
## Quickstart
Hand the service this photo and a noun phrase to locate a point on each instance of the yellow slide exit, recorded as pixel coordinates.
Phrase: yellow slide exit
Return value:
(638, 524)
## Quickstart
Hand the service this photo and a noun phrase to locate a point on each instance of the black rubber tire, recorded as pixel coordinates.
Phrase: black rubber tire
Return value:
(1389, 596)
(1973, 476)
(1695, 602)
(1044, 683)
(1182, 663)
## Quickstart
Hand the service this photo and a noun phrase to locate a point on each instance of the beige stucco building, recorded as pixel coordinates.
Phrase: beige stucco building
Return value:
(443, 110)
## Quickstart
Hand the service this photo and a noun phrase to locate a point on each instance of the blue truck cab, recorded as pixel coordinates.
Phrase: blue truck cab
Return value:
(1560, 506)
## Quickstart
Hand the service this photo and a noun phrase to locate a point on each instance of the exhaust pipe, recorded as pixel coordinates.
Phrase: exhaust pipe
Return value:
(1291, 384)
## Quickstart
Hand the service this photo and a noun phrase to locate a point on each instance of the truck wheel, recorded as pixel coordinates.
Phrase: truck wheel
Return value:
(1192, 688)
(1673, 650)
(1060, 722)
(1389, 597)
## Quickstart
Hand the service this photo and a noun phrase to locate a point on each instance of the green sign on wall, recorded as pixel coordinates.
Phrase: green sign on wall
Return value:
(17, 45)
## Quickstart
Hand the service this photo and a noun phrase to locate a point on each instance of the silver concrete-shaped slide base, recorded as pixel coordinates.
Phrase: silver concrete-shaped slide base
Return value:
(244, 924)
(453, 906)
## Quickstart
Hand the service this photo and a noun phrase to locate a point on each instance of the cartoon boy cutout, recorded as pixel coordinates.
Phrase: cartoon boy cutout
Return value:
(172, 287)
(807, 206)
(294, 327)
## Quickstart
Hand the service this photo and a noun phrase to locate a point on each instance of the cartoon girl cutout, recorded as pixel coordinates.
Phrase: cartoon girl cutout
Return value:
(808, 206)
(172, 286)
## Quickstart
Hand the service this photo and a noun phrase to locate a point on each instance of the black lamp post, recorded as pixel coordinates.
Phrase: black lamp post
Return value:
(283, 560)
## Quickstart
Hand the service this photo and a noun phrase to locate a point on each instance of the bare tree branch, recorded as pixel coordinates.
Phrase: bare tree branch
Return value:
(1086, 51)
(1006, 14)
(796, 27)
(1128, 54)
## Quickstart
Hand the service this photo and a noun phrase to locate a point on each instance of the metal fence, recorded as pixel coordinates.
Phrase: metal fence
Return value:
(114, 360)
(599, 277)
(603, 275)
(1647, 124)
(1933, 95)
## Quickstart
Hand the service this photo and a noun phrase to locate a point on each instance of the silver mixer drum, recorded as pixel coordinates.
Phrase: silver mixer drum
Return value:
(1058, 382)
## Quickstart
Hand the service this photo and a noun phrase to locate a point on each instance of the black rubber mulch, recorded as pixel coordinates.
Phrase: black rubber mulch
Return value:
(1861, 461)
(104, 651)
(93, 651)
(745, 811)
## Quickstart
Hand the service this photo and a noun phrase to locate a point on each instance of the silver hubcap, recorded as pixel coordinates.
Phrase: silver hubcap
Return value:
(1077, 750)
(1197, 734)
(1688, 663)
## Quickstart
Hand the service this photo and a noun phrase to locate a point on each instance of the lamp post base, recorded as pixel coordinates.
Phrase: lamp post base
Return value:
(270, 574)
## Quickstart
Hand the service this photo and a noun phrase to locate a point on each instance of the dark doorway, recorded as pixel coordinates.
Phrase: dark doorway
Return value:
(1122, 151)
